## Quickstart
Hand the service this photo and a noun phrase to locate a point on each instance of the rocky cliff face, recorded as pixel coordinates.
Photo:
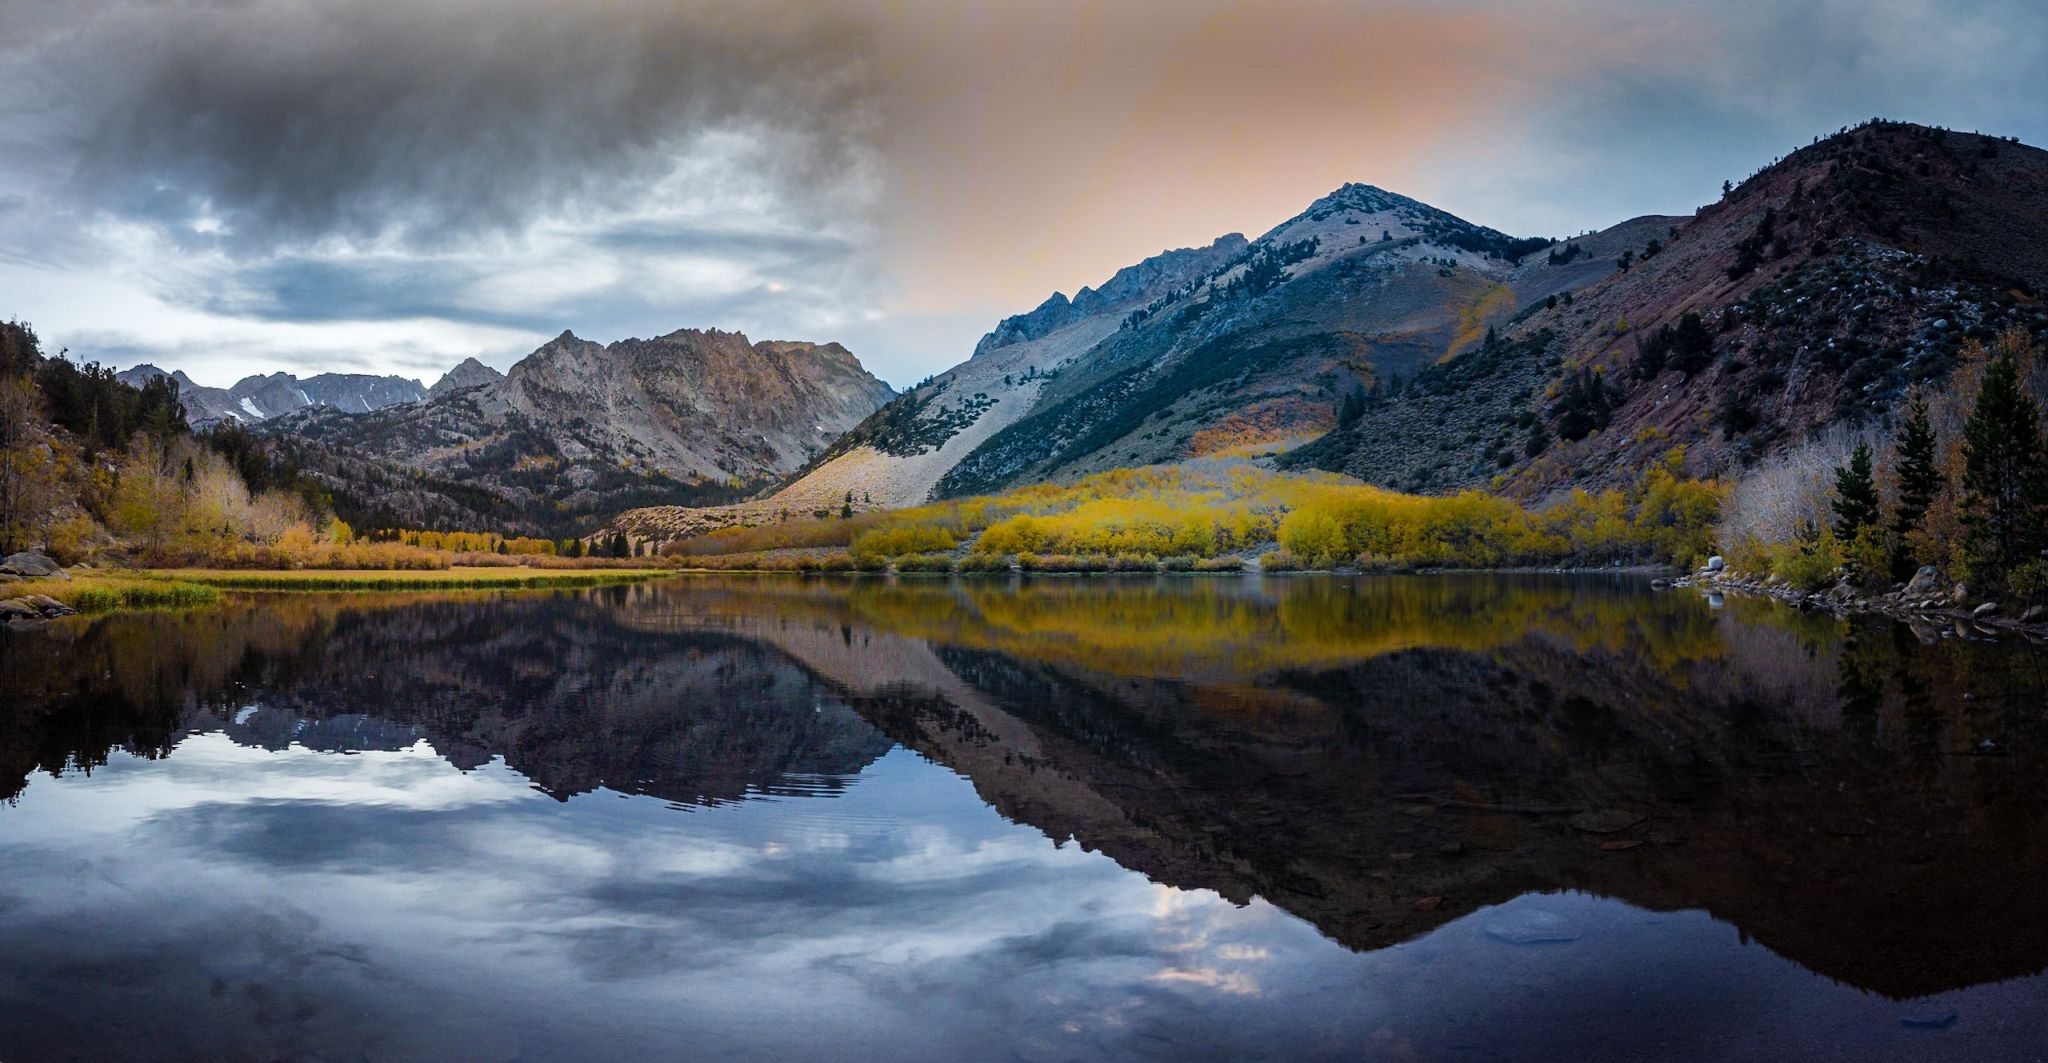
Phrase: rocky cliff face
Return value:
(703, 403)
(579, 428)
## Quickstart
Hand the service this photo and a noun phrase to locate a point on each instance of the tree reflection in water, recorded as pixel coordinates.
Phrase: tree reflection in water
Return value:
(1376, 756)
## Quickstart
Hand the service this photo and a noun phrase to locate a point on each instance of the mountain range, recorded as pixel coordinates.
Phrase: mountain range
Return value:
(582, 430)
(1370, 334)
(1243, 347)
(1378, 336)
(260, 398)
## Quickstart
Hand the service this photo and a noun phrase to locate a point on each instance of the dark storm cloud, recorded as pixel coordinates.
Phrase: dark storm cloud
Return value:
(289, 122)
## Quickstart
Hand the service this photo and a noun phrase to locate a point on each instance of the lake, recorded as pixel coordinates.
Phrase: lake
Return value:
(1312, 817)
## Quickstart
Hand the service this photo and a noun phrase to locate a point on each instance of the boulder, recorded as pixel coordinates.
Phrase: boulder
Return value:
(1925, 582)
(1987, 609)
(47, 605)
(31, 564)
(16, 609)
(1716, 563)
(2034, 614)
(1959, 595)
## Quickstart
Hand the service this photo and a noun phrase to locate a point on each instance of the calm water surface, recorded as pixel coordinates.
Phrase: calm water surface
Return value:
(1293, 818)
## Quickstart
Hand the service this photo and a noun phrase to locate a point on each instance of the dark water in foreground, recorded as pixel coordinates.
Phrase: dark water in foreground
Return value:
(1434, 819)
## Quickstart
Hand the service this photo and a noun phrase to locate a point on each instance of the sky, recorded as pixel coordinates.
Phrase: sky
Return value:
(239, 186)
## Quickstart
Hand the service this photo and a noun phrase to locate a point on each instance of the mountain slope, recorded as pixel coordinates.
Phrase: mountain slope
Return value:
(1825, 286)
(579, 428)
(1236, 346)
(897, 456)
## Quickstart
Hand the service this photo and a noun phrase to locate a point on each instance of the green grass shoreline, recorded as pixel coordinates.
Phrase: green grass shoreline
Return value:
(113, 590)
(409, 579)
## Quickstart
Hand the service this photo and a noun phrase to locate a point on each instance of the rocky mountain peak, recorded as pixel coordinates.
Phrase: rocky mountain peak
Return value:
(1130, 286)
(470, 373)
(1368, 199)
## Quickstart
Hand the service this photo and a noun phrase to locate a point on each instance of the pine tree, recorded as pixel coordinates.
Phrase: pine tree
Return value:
(1919, 482)
(1692, 346)
(1351, 409)
(1855, 503)
(2005, 477)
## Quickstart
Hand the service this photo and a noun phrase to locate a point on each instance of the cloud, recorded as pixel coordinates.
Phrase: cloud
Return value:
(1658, 104)
(244, 185)
(1041, 147)
(201, 179)
(287, 122)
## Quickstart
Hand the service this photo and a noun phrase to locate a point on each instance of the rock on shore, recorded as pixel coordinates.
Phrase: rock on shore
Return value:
(30, 609)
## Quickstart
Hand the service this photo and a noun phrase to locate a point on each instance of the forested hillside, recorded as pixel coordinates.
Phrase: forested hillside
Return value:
(92, 466)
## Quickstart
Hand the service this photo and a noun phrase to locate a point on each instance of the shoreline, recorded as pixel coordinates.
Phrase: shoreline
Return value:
(98, 592)
(37, 601)
(1915, 610)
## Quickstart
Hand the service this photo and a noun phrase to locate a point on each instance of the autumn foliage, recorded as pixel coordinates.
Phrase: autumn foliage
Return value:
(1213, 514)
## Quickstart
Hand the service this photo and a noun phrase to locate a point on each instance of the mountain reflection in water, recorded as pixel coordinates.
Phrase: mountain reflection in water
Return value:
(1446, 817)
